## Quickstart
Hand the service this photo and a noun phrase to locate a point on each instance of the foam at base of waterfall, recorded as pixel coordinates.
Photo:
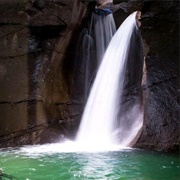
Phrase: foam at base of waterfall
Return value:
(68, 147)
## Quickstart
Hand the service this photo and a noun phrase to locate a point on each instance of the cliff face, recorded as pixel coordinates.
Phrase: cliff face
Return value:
(34, 99)
(160, 34)
(38, 41)
(160, 31)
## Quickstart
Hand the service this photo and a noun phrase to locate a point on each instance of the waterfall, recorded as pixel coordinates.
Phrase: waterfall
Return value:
(104, 29)
(110, 121)
(91, 47)
(99, 123)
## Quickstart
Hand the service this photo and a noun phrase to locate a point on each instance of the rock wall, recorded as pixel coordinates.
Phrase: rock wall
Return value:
(160, 34)
(160, 31)
(34, 100)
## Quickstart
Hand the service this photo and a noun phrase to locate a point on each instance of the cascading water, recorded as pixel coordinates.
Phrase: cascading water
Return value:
(92, 45)
(98, 124)
(104, 29)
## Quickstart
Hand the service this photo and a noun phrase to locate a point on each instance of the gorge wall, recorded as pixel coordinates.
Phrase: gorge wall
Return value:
(38, 41)
(160, 31)
(34, 96)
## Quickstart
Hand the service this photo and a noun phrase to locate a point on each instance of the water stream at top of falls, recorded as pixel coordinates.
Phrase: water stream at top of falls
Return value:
(104, 29)
(91, 47)
(99, 121)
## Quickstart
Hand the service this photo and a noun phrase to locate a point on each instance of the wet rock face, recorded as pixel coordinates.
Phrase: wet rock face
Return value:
(160, 32)
(33, 94)
(13, 65)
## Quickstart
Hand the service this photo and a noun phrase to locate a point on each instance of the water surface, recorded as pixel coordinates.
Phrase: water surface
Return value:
(116, 165)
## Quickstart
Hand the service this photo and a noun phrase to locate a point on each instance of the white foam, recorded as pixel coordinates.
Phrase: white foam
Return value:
(67, 147)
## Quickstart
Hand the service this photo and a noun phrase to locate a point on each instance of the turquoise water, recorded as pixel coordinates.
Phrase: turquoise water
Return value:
(118, 165)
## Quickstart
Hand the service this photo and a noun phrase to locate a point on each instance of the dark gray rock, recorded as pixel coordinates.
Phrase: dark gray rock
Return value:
(160, 24)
